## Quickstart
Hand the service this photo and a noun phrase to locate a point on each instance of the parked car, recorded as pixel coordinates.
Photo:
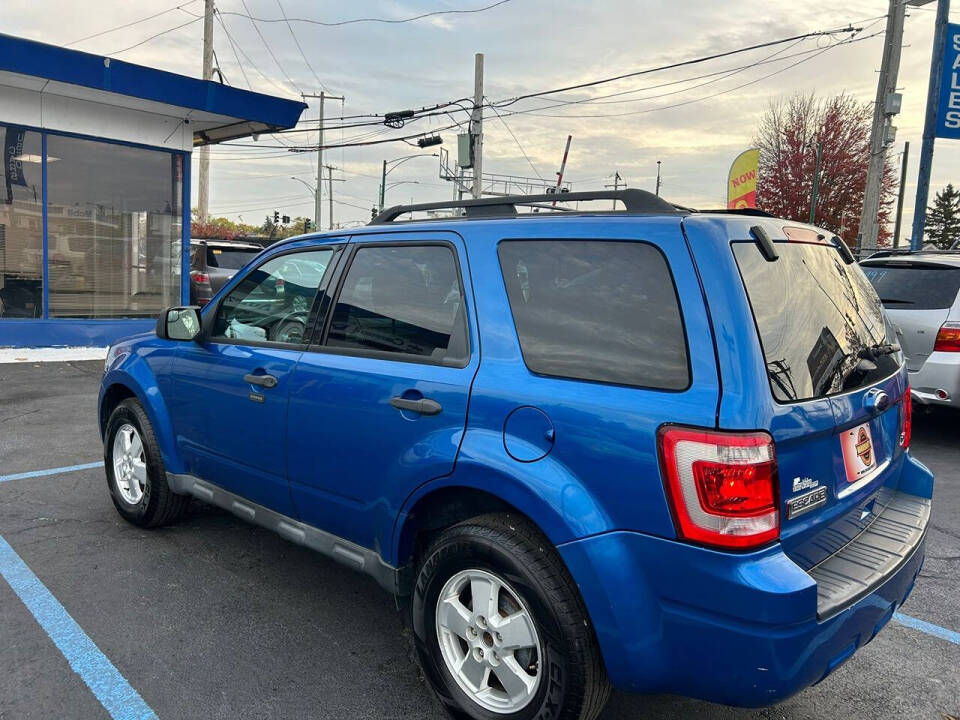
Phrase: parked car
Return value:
(213, 263)
(921, 292)
(651, 448)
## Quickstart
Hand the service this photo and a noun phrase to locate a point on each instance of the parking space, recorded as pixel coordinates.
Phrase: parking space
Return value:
(216, 618)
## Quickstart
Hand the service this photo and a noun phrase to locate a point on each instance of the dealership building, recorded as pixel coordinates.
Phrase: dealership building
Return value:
(95, 188)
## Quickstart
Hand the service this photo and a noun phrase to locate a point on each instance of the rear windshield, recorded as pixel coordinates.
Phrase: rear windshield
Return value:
(914, 286)
(821, 325)
(229, 258)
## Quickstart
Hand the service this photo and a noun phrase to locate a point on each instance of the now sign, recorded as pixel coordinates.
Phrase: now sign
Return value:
(948, 112)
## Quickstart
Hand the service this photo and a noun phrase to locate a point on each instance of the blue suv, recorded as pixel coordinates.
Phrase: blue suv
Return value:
(648, 448)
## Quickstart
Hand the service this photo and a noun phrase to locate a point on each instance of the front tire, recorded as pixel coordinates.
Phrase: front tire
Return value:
(500, 629)
(136, 477)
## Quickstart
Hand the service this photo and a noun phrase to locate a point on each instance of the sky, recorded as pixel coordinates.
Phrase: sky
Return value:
(694, 127)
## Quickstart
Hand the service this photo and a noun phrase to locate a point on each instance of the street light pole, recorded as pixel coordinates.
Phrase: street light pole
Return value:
(396, 162)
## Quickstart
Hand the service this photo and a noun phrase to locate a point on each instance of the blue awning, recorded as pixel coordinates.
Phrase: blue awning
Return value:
(216, 112)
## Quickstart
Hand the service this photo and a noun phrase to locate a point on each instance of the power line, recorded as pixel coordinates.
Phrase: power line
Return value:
(283, 72)
(387, 21)
(153, 37)
(237, 47)
(130, 24)
(522, 151)
(672, 66)
(297, 43)
(813, 54)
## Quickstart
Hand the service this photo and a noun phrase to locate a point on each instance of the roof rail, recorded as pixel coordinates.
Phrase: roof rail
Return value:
(635, 201)
(751, 212)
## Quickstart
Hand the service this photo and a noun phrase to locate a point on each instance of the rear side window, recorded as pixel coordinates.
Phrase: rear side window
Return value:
(229, 258)
(406, 300)
(596, 310)
(914, 286)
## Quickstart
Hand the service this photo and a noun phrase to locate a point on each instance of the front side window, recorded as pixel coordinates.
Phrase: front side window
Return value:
(406, 300)
(596, 310)
(114, 228)
(272, 302)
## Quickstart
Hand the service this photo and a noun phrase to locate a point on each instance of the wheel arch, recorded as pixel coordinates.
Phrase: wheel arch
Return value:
(474, 489)
(119, 386)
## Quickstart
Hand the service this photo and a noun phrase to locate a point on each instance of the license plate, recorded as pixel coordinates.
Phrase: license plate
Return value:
(859, 453)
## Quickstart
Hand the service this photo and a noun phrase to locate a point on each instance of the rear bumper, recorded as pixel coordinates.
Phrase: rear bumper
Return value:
(940, 372)
(739, 629)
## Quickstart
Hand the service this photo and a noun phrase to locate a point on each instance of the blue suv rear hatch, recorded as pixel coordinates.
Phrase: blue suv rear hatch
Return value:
(836, 386)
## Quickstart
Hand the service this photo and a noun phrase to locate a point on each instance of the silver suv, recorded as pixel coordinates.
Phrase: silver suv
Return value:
(921, 292)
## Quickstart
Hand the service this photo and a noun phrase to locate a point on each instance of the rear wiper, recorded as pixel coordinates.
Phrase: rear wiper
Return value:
(897, 300)
(872, 352)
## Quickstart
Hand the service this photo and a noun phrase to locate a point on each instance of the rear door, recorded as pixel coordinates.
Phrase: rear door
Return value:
(918, 296)
(378, 403)
(835, 381)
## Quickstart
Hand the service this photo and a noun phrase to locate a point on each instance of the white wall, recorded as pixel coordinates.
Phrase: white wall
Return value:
(31, 102)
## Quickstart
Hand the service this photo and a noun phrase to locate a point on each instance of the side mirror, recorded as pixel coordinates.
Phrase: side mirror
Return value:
(179, 323)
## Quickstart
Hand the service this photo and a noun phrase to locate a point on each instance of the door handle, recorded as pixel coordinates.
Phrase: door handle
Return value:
(267, 381)
(424, 406)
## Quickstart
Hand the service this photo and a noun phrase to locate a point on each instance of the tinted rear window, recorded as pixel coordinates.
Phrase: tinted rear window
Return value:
(915, 286)
(818, 320)
(229, 258)
(596, 310)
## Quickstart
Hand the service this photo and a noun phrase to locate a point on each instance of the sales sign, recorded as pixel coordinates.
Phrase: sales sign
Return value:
(948, 113)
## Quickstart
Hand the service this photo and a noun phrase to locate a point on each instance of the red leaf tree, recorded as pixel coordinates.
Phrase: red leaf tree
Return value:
(787, 137)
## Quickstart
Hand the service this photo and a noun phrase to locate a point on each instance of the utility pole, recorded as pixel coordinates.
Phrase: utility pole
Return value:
(330, 181)
(887, 105)
(476, 125)
(316, 199)
(615, 186)
(900, 193)
(658, 179)
(930, 124)
(383, 184)
(816, 183)
(203, 191)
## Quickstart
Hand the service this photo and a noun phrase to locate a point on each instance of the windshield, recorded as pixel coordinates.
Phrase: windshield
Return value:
(914, 286)
(229, 258)
(821, 325)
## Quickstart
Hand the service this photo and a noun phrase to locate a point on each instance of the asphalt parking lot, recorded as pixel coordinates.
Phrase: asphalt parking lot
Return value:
(214, 618)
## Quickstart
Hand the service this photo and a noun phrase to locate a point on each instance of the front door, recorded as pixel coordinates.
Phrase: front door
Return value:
(229, 404)
(378, 406)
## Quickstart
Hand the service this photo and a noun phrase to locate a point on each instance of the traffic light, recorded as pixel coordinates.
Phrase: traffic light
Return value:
(307, 222)
(430, 141)
(276, 217)
(285, 219)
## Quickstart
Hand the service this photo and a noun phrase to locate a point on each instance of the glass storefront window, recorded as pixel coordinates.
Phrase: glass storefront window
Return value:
(114, 229)
(21, 224)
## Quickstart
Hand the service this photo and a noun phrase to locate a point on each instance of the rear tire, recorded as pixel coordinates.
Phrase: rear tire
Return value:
(550, 663)
(136, 477)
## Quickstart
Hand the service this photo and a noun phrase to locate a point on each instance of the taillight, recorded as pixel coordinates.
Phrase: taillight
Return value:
(722, 486)
(906, 420)
(200, 277)
(948, 339)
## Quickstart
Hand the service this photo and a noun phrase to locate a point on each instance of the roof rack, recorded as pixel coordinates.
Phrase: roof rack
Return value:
(636, 202)
(890, 252)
